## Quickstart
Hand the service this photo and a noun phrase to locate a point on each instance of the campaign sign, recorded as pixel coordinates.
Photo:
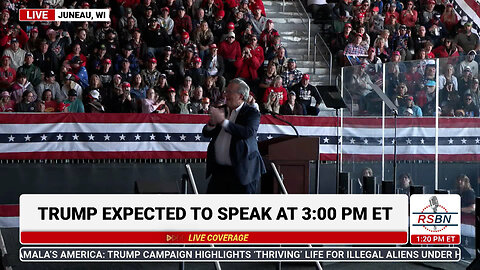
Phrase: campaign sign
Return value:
(435, 219)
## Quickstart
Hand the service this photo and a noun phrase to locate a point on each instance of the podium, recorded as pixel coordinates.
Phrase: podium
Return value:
(297, 158)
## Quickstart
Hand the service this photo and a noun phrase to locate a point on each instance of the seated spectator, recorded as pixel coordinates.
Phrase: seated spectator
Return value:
(187, 86)
(405, 183)
(355, 48)
(399, 98)
(77, 51)
(121, 101)
(372, 58)
(199, 18)
(58, 44)
(152, 103)
(291, 107)
(182, 23)
(34, 75)
(155, 38)
(130, 57)
(205, 106)
(196, 100)
(420, 39)
(280, 61)
(183, 106)
(280, 94)
(467, 194)
(272, 50)
(475, 92)
(167, 64)
(305, 93)
(267, 78)
(436, 30)
(70, 84)
(203, 37)
(365, 37)
(139, 46)
(21, 85)
(106, 72)
(403, 43)
(449, 18)
(268, 34)
(162, 87)
(47, 103)
(197, 73)
(470, 62)
(465, 81)
(429, 108)
(467, 41)
(391, 25)
(125, 72)
(16, 54)
(212, 91)
(79, 71)
(381, 49)
(6, 104)
(27, 103)
(171, 101)
(93, 104)
(413, 79)
(138, 89)
(214, 65)
(376, 22)
(449, 96)
(218, 26)
(408, 104)
(448, 77)
(428, 13)
(292, 75)
(447, 49)
(150, 75)
(49, 83)
(391, 14)
(74, 104)
(44, 58)
(470, 109)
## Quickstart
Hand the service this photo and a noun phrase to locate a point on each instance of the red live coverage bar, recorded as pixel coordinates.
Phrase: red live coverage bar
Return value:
(396, 237)
(36, 15)
(434, 239)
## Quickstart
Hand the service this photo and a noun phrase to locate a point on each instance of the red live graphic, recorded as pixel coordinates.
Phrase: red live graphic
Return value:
(37, 15)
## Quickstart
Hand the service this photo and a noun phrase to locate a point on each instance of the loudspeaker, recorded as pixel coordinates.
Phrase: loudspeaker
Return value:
(442, 191)
(368, 185)
(417, 190)
(344, 185)
(387, 187)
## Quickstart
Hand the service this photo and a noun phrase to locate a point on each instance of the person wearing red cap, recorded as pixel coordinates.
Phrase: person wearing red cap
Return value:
(268, 34)
(4, 22)
(258, 21)
(150, 74)
(257, 4)
(171, 100)
(182, 23)
(214, 65)
(121, 100)
(342, 40)
(197, 73)
(165, 21)
(182, 46)
(218, 26)
(392, 12)
(239, 22)
(183, 105)
(305, 94)
(428, 13)
(230, 51)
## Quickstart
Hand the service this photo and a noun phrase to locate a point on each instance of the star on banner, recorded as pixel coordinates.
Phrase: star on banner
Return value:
(409, 141)
(325, 140)
(380, 141)
(11, 138)
(107, 137)
(477, 141)
(450, 141)
(75, 137)
(352, 141)
(27, 138)
(44, 137)
(197, 137)
(152, 137)
(365, 141)
(59, 137)
(183, 137)
(91, 137)
(422, 141)
(464, 141)
(167, 137)
(137, 137)
(393, 141)
(269, 136)
(122, 137)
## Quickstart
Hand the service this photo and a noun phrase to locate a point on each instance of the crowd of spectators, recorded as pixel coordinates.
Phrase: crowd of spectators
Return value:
(406, 36)
(163, 56)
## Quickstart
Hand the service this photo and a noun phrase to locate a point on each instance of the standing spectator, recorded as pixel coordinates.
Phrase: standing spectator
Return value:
(251, 60)
(230, 51)
(305, 94)
(16, 54)
(33, 73)
(291, 107)
(150, 75)
(214, 65)
(292, 75)
(58, 45)
(258, 21)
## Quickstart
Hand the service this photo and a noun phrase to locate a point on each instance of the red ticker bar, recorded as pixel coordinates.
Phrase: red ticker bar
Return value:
(214, 237)
(434, 239)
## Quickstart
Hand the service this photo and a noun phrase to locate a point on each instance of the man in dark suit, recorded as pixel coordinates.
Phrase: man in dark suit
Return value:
(233, 160)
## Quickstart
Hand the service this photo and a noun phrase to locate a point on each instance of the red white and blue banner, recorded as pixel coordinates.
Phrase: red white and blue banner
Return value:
(158, 136)
(469, 8)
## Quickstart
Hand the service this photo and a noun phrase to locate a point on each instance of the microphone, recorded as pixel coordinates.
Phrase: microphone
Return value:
(434, 205)
(274, 115)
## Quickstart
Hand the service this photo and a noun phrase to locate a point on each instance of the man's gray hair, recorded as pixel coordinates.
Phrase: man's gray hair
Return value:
(243, 88)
